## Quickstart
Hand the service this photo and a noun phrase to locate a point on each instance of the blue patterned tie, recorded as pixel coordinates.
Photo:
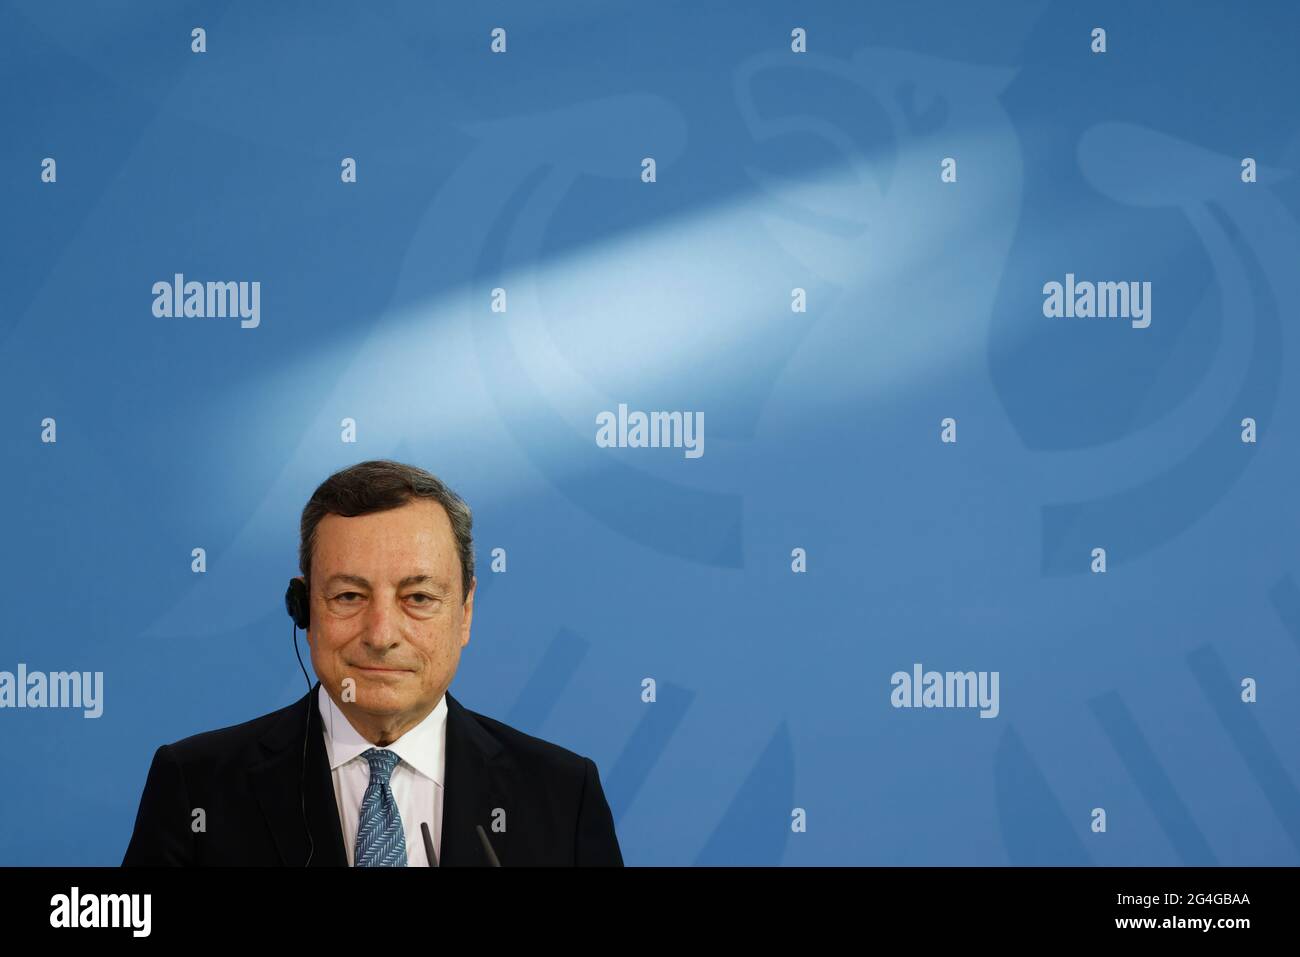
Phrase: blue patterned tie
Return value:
(381, 840)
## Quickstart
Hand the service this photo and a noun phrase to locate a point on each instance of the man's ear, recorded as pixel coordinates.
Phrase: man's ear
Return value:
(468, 611)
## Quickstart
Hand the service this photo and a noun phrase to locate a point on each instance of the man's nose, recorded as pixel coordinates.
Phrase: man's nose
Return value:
(382, 623)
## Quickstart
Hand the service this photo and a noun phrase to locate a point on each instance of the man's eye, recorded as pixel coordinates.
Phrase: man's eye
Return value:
(428, 599)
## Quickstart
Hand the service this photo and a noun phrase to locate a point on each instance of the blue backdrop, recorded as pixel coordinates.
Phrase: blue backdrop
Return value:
(130, 439)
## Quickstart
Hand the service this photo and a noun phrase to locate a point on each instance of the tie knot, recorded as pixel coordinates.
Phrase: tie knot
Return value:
(382, 763)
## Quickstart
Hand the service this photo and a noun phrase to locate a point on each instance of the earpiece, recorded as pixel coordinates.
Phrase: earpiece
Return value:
(297, 602)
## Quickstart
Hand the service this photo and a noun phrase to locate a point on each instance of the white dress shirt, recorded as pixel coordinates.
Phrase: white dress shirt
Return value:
(416, 781)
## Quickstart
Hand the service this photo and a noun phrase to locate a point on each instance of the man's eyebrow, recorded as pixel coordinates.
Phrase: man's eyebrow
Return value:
(408, 580)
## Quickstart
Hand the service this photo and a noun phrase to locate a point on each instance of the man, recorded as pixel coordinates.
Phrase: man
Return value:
(355, 771)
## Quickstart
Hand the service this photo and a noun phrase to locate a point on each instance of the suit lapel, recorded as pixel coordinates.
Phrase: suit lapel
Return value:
(282, 787)
(474, 784)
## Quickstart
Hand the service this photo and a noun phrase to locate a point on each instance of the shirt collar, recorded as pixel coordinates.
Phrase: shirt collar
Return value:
(421, 747)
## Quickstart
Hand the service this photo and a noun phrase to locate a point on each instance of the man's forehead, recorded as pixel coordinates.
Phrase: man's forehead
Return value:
(416, 578)
(416, 546)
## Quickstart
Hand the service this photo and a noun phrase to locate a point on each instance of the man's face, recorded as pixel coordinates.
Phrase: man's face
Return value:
(387, 612)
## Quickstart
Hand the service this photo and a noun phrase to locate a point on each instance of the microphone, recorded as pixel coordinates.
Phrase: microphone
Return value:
(433, 858)
(487, 846)
(428, 844)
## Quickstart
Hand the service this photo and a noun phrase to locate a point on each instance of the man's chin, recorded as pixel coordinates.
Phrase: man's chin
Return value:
(381, 701)
(376, 691)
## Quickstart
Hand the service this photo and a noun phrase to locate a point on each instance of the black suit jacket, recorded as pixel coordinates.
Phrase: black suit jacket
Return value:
(247, 778)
